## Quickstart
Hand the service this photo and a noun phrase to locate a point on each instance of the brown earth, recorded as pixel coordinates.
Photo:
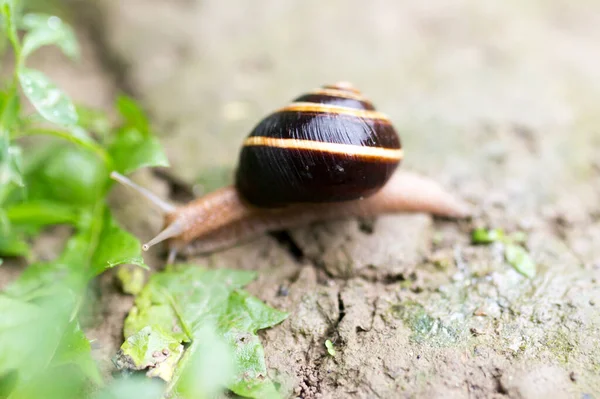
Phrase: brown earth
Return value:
(497, 100)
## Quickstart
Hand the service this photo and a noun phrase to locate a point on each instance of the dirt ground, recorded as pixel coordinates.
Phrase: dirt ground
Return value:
(496, 100)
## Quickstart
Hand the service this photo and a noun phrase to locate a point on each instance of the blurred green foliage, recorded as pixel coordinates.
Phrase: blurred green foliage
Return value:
(64, 179)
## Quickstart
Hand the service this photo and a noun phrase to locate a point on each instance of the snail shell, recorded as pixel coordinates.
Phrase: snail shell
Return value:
(328, 145)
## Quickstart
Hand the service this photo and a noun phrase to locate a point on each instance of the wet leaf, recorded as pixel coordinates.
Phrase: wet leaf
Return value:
(132, 149)
(485, 236)
(519, 258)
(330, 347)
(176, 303)
(44, 30)
(50, 101)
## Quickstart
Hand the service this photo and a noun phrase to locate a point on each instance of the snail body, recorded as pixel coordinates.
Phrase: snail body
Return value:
(327, 155)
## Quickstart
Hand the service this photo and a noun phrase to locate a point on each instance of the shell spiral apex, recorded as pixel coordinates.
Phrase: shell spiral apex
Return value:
(327, 145)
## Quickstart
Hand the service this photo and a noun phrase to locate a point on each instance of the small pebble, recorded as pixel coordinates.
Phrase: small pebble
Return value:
(283, 291)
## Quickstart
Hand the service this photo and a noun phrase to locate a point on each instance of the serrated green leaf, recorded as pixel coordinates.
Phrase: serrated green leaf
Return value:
(50, 101)
(132, 150)
(246, 315)
(133, 115)
(211, 289)
(45, 30)
(519, 258)
(181, 301)
(115, 247)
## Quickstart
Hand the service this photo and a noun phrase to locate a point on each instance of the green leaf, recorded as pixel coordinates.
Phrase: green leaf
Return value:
(13, 245)
(133, 115)
(44, 30)
(42, 213)
(330, 347)
(174, 307)
(10, 155)
(93, 120)
(18, 334)
(133, 386)
(75, 349)
(115, 247)
(51, 102)
(209, 365)
(70, 175)
(10, 106)
(131, 149)
(10, 166)
(9, 14)
(24, 349)
(246, 315)
(485, 236)
(519, 258)
(151, 348)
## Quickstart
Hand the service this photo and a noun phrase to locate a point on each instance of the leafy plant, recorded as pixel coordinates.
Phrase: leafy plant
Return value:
(188, 306)
(43, 351)
(199, 340)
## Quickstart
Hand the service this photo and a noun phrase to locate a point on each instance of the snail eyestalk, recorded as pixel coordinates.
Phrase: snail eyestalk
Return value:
(172, 230)
(163, 205)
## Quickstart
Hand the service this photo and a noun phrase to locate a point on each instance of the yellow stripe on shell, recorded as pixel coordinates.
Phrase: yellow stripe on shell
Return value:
(339, 93)
(335, 109)
(388, 154)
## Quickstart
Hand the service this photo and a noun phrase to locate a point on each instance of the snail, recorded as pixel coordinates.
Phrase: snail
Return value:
(327, 155)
